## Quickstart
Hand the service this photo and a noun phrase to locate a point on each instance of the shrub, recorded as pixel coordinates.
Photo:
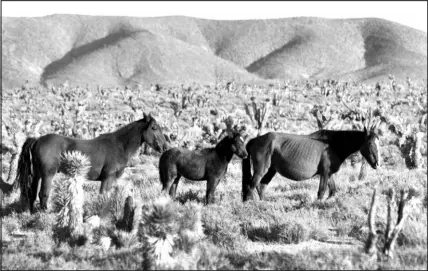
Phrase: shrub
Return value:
(68, 194)
(288, 233)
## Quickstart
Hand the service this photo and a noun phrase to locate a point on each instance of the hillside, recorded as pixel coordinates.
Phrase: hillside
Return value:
(127, 50)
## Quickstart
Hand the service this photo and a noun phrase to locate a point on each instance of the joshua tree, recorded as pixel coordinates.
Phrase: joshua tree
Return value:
(392, 228)
(410, 143)
(277, 99)
(17, 140)
(258, 113)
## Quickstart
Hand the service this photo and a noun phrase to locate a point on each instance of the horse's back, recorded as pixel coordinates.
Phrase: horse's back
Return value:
(55, 144)
(51, 145)
(261, 143)
(189, 163)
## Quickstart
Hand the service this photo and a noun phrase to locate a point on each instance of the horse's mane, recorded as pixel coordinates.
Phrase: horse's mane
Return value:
(322, 135)
(126, 128)
(343, 142)
(333, 137)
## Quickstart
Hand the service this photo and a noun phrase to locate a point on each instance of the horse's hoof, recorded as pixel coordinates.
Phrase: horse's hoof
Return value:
(32, 212)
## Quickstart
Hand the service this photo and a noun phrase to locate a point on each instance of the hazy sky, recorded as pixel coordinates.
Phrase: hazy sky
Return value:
(410, 13)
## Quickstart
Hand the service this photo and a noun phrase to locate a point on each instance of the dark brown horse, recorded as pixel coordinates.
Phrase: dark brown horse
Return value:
(109, 154)
(300, 157)
(207, 164)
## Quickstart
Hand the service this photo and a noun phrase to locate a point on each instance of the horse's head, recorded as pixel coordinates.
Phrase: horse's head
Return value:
(152, 134)
(238, 145)
(370, 148)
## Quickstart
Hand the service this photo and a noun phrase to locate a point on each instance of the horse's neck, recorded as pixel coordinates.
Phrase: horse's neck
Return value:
(129, 137)
(223, 152)
(346, 143)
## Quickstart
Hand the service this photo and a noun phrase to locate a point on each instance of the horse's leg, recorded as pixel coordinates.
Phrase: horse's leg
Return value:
(173, 189)
(107, 183)
(324, 174)
(331, 187)
(168, 176)
(323, 186)
(32, 195)
(261, 167)
(44, 190)
(211, 186)
(265, 181)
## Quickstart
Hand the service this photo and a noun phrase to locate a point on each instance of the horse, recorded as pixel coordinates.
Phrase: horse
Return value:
(208, 164)
(109, 154)
(300, 157)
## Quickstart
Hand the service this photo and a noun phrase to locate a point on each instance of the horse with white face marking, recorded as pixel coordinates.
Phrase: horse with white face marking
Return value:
(301, 157)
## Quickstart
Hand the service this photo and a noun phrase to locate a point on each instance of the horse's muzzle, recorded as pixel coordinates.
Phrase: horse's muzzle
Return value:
(166, 146)
(162, 149)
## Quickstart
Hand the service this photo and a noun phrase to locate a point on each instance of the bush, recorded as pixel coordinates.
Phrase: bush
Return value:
(288, 233)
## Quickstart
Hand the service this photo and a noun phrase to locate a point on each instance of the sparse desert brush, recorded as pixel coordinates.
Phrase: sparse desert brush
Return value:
(414, 234)
(223, 230)
(109, 205)
(161, 218)
(68, 194)
(190, 196)
(303, 197)
(158, 232)
(125, 239)
(289, 209)
(211, 258)
(167, 229)
(191, 218)
(288, 233)
(13, 222)
(40, 221)
(340, 259)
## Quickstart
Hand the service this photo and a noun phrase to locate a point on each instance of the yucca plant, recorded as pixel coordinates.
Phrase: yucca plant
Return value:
(159, 231)
(190, 229)
(68, 194)
(125, 239)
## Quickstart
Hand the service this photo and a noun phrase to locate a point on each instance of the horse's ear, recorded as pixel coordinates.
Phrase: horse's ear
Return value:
(377, 124)
(365, 131)
(145, 117)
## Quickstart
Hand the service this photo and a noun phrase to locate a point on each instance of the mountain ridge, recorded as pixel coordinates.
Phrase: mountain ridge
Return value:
(117, 50)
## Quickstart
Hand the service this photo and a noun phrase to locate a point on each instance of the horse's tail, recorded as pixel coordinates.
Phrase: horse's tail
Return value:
(246, 169)
(25, 169)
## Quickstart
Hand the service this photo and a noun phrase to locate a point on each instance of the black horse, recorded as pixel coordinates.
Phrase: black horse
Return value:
(109, 154)
(300, 157)
(207, 164)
